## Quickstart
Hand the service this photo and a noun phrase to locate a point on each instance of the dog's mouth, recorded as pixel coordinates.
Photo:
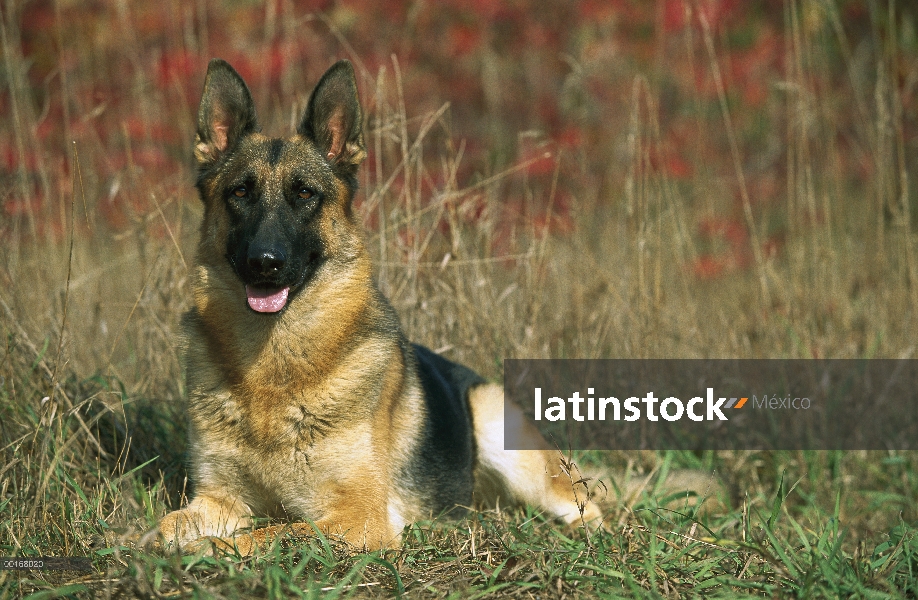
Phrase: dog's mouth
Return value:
(267, 299)
(272, 295)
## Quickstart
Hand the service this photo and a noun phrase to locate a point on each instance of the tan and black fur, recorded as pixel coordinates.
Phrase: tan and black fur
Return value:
(319, 410)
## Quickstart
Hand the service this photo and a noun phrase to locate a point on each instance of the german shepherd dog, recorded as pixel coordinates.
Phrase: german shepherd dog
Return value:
(306, 401)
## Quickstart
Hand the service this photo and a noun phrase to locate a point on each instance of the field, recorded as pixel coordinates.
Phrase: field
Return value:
(670, 179)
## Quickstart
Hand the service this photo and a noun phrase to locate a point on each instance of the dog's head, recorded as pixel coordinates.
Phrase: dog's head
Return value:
(277, 209)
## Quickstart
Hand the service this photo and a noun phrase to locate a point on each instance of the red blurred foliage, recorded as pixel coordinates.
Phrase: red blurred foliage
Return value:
(732, 231)
(670, 164)
(562, 72)
(733, 246)
(735, 252)
(18, 207)
(539, 161)
(176, 67)
(709, 267)
(558, 222)
(464, 39)
(139, 129)
(750, 68)
(12, 160)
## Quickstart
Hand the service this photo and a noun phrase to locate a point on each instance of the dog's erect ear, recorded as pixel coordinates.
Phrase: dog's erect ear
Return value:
(333, 119)
(226, 113)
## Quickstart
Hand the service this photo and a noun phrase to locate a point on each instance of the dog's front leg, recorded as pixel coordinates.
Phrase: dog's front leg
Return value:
(356, 506)
(359, 517)
(365, 532)
(205, 516)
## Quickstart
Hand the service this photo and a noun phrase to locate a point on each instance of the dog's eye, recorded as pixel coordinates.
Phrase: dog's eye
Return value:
(305, 194)
(241, 191)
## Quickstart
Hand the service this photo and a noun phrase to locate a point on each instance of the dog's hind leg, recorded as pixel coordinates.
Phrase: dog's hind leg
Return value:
(540, 478)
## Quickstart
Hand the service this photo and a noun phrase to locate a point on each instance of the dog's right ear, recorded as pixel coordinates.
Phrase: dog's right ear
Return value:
(226, 113)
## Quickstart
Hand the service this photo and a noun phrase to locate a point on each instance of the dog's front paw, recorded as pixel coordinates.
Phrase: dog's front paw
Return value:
(178, 529)
(205, 517)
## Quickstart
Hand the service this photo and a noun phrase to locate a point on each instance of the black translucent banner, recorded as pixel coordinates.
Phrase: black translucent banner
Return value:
(713, 404)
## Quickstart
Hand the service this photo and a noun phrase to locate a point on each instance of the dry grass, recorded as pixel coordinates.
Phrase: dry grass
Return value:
(92, 386)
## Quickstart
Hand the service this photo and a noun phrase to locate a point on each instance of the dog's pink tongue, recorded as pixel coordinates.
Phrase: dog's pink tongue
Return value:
(266, 300)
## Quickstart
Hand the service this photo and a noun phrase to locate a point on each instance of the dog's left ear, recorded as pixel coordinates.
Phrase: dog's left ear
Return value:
(333, 119)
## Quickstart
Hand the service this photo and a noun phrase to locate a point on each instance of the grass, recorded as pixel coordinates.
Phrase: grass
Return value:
(91, 425)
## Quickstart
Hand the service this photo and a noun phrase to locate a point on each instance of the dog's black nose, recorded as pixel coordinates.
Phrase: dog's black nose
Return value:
(267, 263)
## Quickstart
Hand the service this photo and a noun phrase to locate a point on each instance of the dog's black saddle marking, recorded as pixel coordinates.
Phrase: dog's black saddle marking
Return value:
(447, 452)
